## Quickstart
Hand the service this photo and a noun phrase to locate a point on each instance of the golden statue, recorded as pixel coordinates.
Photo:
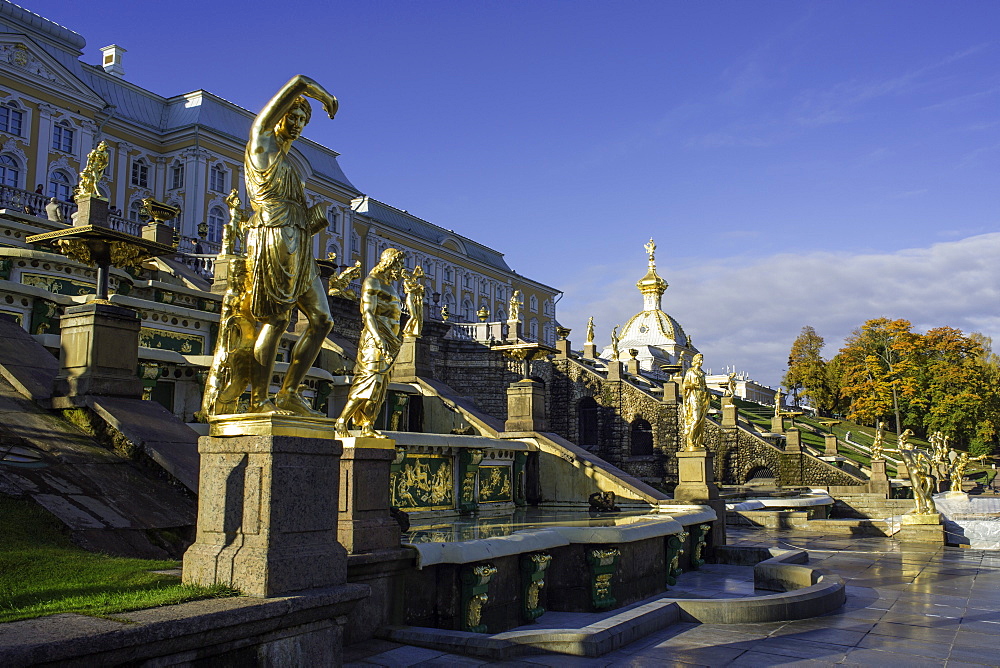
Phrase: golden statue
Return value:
(615, 353)
(590, 330)
(903, 440)
(515, 306)
(877, 444)
(230, 373)
(340, 284)
(777, 402)
(921, 467)
(93, 172)
(281, 270)
(958, 467)
(233, 231)
(445, 313)
(694, 389)
(731, 385)
(413, 285)
(651, 250)
(377, 349)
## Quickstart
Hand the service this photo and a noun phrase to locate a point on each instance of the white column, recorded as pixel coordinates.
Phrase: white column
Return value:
(121, 176)
(42, 143)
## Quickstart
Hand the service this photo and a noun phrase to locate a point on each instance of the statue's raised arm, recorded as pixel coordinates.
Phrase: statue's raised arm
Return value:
(276, 122)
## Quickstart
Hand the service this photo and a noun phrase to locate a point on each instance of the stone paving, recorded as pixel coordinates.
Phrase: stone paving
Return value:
(907, 605)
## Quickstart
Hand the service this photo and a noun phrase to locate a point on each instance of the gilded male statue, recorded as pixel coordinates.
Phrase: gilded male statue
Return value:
(878, 443)
(282, 272)
(694, 390)
(590, 329)
(413, 285)
(378, 347)
(93, 172)
(921, 469)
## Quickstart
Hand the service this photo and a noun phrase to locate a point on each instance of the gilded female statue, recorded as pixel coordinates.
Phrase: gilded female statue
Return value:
(93, 172)
(282, 272)
(877, 444)
(413, 285)
(378, 347)
(696, 398)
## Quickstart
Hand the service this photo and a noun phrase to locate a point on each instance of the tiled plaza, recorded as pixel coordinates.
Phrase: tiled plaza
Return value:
(907, 605)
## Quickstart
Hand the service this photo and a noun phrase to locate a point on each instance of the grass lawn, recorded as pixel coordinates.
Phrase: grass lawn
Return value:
(43, 573)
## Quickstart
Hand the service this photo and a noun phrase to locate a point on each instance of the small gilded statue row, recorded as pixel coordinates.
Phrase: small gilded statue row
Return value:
(279, 273)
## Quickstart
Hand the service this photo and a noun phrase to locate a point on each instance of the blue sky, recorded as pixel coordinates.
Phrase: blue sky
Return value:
(798, 163)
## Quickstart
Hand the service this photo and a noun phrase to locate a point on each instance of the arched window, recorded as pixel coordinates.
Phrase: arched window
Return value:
(501, 315)
(533, 304)
(177, 175)
(217, 178)
(333, 250)
(140, 173)
(642, 438)
(10, 171)
(60, 186)
(62, 137)
(533, 329)
(586, 413)
(133, 211)
(11, 119)
(216, 219)
(446, 274)
(468, 312)
(449, 300)
(333, 215)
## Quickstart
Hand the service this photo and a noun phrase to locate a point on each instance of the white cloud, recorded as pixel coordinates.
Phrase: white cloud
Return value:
(747, 311)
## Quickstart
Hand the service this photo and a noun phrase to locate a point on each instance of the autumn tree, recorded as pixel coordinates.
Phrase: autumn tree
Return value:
(877, 365)
(807, 370)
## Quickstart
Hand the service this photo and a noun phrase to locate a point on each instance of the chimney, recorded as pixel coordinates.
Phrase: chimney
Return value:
(112, 60)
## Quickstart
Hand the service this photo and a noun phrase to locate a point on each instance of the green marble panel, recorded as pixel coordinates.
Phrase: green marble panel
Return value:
(57, 284)
(495, 484)
(424, 482)
(186, 344)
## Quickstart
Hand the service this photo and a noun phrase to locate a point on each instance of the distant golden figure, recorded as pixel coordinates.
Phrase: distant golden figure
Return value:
(93, 172)
(378, 347)
(413, 285)
(514, 306)
(958, 467)
(233, 230)
(694, 389)
(615, 352)
(590, 329)
(281, 270)
(921, 467)
(878, 443)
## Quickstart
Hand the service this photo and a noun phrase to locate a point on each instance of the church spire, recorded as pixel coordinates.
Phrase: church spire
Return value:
(651, 285)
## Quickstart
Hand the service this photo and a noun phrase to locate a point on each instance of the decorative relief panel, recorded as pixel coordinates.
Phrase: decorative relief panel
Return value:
(424, 482)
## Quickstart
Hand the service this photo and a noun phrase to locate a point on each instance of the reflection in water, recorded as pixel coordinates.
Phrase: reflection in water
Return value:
(453, 529)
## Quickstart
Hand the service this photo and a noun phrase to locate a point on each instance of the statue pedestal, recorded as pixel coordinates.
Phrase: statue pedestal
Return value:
(100, 354)
(590, 351)
(526, 407)
(670, 393)
(267, 514)
(921, 528)
(413, 360)
(222, 268)
(956, 496)
(164, 234)
(364, 523)
(830, 448)
(879, 481)
(695, 477)
(562, 348)
(793, 440)
(614, 370)
(730, 416)
(777, 425)
(696, 486)
(632, 366)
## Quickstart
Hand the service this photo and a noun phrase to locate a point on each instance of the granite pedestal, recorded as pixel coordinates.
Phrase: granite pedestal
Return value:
(526, 406)
(921, 528)
(696, 485)
(364, 523)
(99, 353)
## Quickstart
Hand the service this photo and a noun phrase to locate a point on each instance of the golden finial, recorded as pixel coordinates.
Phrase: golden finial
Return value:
(651, 251)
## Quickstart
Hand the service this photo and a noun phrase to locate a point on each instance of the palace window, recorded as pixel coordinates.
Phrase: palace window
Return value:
(62, 137)
(60, 186)
(11, 119)
(216, 219)
(468, 312)
(177, 176)
(533, 304)
(133, 212)
(533, 330)
(140, 173)
(10, 171)
(333, 215)
(217, 178)
(446, 274)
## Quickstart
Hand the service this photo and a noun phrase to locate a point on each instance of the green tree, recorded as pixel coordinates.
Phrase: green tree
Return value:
(807, 371)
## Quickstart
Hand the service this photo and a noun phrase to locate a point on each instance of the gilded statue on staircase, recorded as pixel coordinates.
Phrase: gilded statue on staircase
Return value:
(694, 389)
(378, 347)
(93, 172)
(281, 272)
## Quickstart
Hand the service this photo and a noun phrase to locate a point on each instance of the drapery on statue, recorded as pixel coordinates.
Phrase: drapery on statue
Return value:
(921, 468)
(877, 444)
(281, 271)
(694, 389)
(590, 329)
(413, 285)
(777, 402)
(378, 347)
(93, 172)
(731, 385)
(615, 353)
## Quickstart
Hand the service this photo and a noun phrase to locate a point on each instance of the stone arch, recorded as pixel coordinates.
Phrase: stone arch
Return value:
(760, 472)
(641, 437)
(588, 424)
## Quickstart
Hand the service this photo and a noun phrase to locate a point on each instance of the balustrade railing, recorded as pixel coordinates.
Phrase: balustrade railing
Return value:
(32, 203)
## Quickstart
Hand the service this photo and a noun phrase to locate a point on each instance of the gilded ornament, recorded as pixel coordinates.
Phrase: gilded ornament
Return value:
(615, 353)
(233, 231)
(878, 444)
(339, 285)
(920, 465)
(514, 306)
(413, 286)
(590, 329)
(378, 347)
(959, 464)
(229, 375)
